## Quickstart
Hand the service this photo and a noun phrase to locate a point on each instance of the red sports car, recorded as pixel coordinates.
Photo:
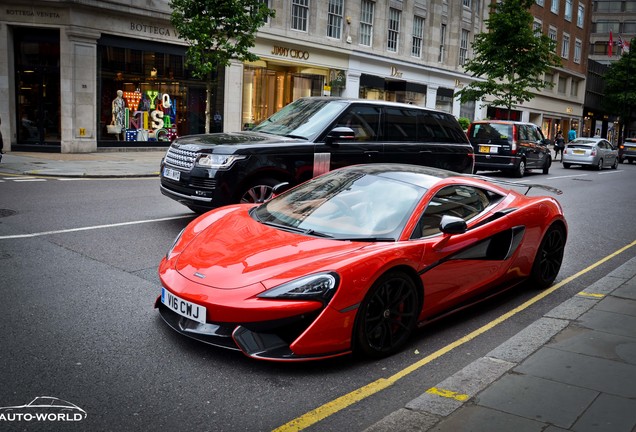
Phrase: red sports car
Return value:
(354, 260)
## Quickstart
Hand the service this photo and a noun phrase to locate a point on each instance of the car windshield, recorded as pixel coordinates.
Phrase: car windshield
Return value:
(303, 118)
(345, 206)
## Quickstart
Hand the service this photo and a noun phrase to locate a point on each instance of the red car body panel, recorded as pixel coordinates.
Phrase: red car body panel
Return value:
(225, 259)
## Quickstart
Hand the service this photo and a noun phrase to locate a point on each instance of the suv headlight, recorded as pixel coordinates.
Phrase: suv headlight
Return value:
(218, 161)
(320, 287)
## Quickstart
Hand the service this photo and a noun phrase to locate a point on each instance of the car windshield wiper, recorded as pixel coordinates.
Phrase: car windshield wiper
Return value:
(296, 229)
(367, 239)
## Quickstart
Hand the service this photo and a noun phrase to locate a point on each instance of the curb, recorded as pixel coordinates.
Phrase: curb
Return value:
(437, 403)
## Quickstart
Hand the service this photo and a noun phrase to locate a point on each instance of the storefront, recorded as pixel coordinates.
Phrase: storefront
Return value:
(60, 78)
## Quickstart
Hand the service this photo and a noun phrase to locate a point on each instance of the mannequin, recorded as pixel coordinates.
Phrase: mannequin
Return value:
(118, 109)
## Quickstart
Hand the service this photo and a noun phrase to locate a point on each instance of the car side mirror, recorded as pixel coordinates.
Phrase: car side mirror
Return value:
(341, 133)
(453, 225)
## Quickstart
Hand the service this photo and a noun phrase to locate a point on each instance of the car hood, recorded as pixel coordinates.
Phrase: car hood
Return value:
(237, 251)
(229, 140)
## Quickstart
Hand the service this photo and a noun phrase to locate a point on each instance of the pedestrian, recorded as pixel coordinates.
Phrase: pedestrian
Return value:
(559, 145)
(571, 134)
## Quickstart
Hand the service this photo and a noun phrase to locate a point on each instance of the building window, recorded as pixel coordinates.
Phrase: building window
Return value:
(565, 46)
(537, 27)
(463, 47)
(540, 2)
(266, 3)
(394, 30)
(366, 22)
(552, 34)
(574, 90)
(568, 10)
(578, 48)
(334, 21)
(467, 3)
(609, 6)
(442, 42)
(418, 35)
(580, 15)
(554, 8)
(299, 15)
(562, 84)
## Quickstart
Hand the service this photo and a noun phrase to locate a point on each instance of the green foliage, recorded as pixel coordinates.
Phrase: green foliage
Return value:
(218, 30)
(620, 86)
(464, 122)
(510, 59)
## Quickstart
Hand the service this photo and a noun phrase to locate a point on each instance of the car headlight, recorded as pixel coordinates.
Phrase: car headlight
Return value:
(218, 161)
(174, 243)
(319, 287)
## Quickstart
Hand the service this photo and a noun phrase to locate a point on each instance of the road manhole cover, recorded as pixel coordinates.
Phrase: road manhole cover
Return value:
(7, 212)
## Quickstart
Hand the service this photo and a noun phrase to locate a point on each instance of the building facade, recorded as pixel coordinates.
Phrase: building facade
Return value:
(82, 75)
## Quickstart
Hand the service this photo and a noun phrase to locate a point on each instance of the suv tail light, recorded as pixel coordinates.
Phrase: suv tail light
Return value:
(513, 141)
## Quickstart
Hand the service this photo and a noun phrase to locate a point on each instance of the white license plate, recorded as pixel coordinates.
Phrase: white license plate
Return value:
(183, 307)
(171, 174)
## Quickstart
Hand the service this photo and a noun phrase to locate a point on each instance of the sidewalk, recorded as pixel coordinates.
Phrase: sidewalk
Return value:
(141, 162)
(574, 369)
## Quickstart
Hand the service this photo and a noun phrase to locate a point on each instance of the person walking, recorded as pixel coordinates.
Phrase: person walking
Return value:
(559, 145)
(571, 134)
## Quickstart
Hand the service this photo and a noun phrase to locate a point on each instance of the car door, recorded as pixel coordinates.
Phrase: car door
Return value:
(364, 120)
(463, 265)
(531, 142)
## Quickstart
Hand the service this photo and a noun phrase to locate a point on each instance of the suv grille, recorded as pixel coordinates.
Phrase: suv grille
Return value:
(181, 158)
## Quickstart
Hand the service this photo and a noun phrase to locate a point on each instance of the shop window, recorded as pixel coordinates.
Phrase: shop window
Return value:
(161, 98)
(37, 75)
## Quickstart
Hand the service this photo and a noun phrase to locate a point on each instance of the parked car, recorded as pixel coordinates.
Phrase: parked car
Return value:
(590, 152)
(308, 137)
(353, 260)
(627, 150)
(509, 146)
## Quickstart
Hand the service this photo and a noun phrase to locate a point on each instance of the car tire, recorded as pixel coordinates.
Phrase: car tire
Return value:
(566, 165)
(547, 164)
(258, 191)
(387, 316)
(549, 258)
(520, 170)
(599, 166)
(615, 165)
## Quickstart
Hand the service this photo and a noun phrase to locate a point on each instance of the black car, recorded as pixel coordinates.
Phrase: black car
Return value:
(306, 138)
(509, 146)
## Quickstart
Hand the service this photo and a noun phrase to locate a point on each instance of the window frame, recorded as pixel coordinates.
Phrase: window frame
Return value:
(367, 11)
(417, 39)
(393, 30)
(335, 18)
(300, 15)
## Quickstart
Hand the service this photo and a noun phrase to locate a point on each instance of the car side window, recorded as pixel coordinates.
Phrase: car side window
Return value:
(401, 124)
(364, 120)
(462, 201)
(523, 133)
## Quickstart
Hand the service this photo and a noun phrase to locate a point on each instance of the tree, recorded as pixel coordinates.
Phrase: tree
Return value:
(216, 32)
(620, 88)
(510, 58)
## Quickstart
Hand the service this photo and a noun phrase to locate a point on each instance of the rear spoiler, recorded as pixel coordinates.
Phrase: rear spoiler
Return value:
(514, 184)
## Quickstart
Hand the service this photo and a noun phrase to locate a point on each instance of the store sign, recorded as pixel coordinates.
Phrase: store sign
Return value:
(152, 29)
(290, 52)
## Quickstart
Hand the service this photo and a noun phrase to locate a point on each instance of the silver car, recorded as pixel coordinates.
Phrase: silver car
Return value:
(595, 152)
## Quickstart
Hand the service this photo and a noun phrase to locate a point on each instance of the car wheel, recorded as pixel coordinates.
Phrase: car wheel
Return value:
(547, 164)
(520, 170)
(566, 165)
(599, 166)
(615, 165)
(259, 191)
(387, 316)
(547, 262)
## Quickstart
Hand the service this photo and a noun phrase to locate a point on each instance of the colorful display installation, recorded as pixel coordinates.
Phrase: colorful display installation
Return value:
(150, 116)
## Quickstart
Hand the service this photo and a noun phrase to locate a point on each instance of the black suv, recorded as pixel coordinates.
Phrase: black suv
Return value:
(509, 146)
(306, 138)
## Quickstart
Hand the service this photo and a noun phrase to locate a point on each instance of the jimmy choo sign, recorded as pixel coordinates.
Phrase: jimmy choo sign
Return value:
(290, 52)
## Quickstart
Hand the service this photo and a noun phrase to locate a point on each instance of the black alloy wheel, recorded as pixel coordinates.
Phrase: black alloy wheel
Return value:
(549, 257)
(259, 191)
(387, 315)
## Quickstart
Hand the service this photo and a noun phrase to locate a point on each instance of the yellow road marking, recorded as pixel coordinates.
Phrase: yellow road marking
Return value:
(592, 295)
(448, 394)
(336, 405)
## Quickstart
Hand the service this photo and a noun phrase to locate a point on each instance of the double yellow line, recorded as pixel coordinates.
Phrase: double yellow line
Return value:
(336, 405)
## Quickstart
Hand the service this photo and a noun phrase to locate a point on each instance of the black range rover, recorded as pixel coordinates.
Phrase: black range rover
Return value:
(306, 138)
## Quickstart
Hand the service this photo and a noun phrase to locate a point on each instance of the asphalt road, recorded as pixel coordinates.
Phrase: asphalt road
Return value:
(78, 263)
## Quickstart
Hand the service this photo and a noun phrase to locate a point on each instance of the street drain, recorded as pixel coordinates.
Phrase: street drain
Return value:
(7, 212)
